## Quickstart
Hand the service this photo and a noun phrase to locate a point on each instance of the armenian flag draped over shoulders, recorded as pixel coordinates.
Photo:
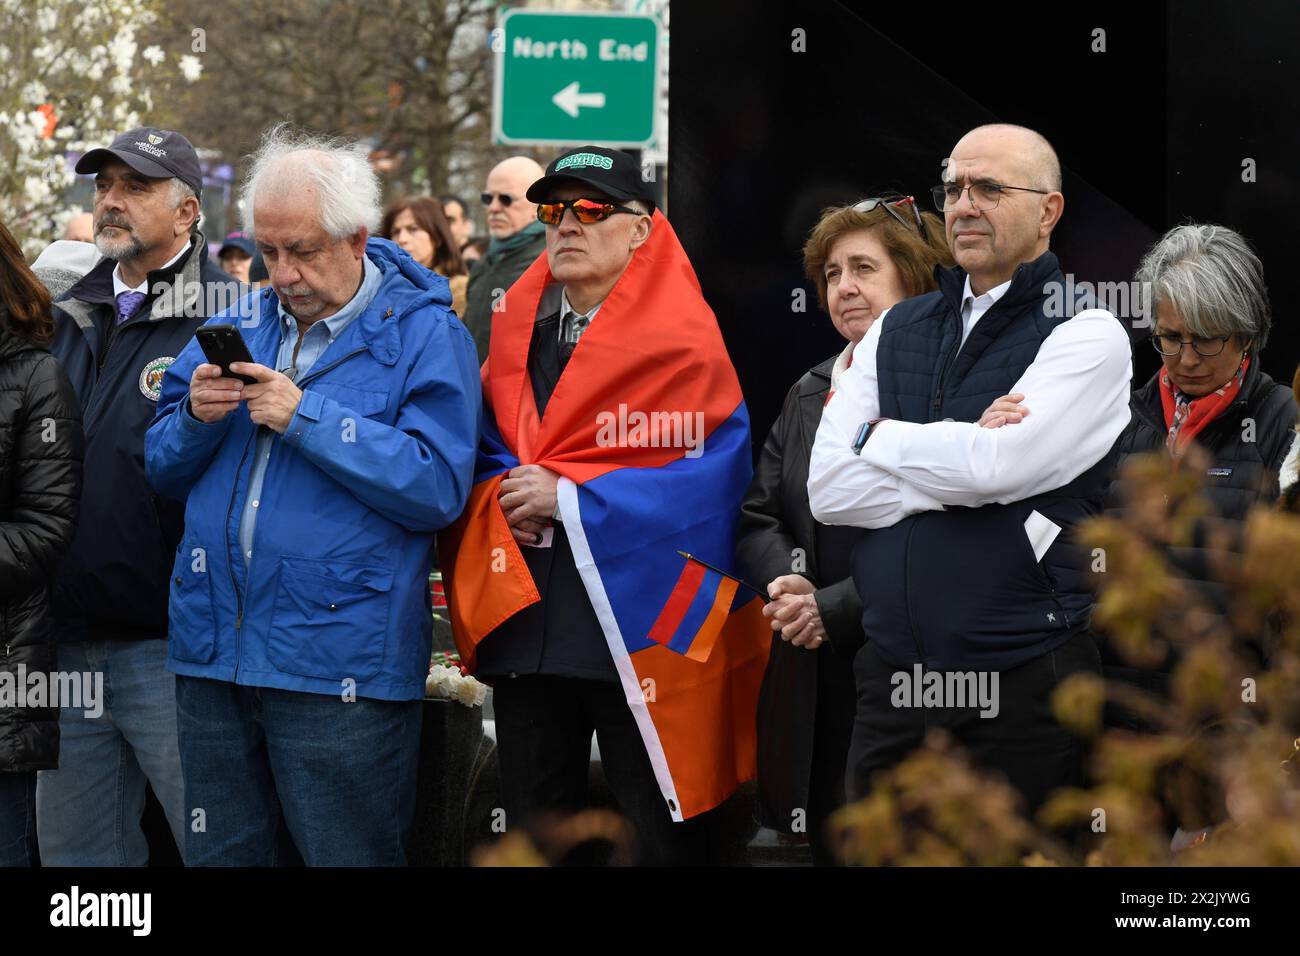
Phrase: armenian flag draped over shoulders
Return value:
(649, 433)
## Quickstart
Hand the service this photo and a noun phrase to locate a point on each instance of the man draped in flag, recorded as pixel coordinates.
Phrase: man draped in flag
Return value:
(617, 440)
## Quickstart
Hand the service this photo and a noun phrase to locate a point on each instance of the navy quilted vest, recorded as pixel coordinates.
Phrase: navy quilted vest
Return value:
(961, 588)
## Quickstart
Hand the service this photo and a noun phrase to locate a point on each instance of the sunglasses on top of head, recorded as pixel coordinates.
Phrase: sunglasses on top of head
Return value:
(587, 211)
(887, 203)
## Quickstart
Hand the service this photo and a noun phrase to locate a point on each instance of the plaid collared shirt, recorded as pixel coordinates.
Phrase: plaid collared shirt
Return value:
(573, 323)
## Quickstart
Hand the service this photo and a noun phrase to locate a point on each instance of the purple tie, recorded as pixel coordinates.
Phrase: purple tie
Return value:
(128, 303)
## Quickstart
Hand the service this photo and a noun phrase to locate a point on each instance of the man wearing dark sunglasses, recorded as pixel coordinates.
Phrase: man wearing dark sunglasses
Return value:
(554, 677)
(517, 240)
(968, 569)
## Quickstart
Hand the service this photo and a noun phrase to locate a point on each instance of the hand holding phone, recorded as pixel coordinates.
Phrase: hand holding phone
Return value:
(215, 390)
(212, 395)
(223, 344)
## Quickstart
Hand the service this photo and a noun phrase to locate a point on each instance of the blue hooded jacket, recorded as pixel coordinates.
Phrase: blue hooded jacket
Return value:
(378, 456)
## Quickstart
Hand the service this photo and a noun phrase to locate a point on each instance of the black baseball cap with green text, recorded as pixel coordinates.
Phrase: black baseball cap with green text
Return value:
(613, 172)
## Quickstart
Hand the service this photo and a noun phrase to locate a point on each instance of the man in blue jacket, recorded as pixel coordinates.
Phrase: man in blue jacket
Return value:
(118, 327)
(975, 601)
(300, 615)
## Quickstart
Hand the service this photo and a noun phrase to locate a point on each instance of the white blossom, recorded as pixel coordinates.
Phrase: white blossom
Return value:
(190, 66)
(121, 50)
(79, 61)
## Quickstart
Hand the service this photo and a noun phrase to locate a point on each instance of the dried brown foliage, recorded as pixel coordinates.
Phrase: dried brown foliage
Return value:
(1219, 753)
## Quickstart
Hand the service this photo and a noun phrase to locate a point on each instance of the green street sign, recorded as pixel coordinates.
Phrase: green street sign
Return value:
(573, 78)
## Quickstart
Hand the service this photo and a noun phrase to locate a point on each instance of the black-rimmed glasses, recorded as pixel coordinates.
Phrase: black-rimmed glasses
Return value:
(1173, 345)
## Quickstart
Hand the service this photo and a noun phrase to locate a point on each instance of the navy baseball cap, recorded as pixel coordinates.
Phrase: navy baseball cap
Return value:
(613, 172)
(152, 152)
(237, 240)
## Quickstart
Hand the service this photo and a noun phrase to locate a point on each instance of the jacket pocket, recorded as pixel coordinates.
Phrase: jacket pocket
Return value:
(1041, 532)
(367, 402)
(975, 583)
(192, 624)
(330, 619)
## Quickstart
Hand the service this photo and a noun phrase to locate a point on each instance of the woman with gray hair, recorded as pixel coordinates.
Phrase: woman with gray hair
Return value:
(1212, 318)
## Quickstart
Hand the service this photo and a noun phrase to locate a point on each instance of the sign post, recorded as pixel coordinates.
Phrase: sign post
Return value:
(573, 78)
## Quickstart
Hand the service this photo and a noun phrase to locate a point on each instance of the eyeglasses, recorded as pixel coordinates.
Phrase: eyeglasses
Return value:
(587, 211)
(505, 198)
(983, 196)
(1173, 345)
(888, 203)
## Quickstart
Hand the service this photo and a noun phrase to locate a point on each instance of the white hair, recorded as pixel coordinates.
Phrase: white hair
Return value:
(180, 191)
(338, 170)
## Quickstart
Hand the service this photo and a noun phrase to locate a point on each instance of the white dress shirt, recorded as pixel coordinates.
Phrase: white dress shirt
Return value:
(973, 306)
(1077, 393)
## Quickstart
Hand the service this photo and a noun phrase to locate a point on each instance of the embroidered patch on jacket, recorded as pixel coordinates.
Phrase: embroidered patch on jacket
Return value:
(151, 377)
(1219, 472)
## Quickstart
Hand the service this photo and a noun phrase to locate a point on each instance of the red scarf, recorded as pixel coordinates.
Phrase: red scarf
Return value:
(1186, 416)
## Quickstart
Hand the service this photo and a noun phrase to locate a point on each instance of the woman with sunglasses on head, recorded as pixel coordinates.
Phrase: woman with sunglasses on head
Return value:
(40, 486)
(862, 259)
(418, 225)
(1211, 317)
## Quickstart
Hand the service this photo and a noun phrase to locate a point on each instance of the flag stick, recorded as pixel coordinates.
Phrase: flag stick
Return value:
(691, 557)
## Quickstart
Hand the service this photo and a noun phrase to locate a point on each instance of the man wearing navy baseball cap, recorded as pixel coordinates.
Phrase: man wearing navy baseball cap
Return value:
(117, 330)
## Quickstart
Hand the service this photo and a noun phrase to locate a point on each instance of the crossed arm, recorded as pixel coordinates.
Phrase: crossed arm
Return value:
(1076, 404)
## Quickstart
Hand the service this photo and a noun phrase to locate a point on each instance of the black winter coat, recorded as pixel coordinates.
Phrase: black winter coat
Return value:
(560, 635)
(1243, 473)
(485, 279)
(116, 579)
(40, 487)
(805, 693)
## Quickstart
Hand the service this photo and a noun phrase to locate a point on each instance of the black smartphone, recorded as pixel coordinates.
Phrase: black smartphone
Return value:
(223, 344)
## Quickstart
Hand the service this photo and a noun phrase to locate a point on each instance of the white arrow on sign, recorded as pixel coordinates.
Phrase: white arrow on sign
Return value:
(569, 99)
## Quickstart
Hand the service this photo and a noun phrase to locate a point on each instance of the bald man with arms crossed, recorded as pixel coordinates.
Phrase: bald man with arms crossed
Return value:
(517, 239)
(968, 568)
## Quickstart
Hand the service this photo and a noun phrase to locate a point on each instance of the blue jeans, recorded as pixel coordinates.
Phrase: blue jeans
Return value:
(88, 811)
(17, 819)
(270, 771)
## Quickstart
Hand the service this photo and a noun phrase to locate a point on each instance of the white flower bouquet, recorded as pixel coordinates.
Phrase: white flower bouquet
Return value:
(450, 684)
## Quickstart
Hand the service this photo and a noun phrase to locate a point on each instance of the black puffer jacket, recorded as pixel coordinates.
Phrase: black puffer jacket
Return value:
(1243, 473)
(40, 486)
